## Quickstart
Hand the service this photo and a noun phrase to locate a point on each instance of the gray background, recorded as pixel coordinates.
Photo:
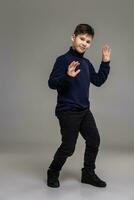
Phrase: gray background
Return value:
(32, 34)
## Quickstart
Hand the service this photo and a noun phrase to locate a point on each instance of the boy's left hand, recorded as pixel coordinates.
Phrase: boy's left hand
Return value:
(106, 53)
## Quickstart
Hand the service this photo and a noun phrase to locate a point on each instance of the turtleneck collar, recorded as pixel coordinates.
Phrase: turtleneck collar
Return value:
(75, 53)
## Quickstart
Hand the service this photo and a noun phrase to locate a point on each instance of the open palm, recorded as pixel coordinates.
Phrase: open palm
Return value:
(72, 69)
(106, 53)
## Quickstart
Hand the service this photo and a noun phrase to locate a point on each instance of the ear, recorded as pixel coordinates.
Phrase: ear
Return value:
(73, 37)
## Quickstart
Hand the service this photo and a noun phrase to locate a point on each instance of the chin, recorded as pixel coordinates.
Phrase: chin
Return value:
(80, 51)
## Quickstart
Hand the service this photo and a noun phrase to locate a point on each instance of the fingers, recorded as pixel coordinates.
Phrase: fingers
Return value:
(77, 72)
(74, 64)
(106, 48)
(72, 67)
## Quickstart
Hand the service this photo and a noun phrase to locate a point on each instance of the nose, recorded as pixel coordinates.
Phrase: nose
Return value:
(84, 44)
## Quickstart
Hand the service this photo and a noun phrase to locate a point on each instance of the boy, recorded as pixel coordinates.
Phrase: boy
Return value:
(71, 77)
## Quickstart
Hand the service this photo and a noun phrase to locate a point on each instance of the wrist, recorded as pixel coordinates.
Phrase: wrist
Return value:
(105, 60)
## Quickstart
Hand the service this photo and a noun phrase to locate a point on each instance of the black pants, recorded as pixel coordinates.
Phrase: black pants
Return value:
(71, 123)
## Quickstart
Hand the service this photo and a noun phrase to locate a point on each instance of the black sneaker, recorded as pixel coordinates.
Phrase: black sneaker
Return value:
(89, 177)
(52, 178)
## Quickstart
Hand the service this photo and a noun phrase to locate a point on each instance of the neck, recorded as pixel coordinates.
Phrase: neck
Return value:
(73, 51)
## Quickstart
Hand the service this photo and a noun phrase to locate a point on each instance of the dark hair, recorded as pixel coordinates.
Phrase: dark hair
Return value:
(83, 29)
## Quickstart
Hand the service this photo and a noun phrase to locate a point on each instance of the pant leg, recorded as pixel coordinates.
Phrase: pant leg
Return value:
(69, 128)
(89, 132)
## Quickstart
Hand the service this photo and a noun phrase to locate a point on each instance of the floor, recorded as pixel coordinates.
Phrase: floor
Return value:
(23, 175)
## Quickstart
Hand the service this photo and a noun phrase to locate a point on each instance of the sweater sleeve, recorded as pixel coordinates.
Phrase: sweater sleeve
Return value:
(99, 78)
(58, 78)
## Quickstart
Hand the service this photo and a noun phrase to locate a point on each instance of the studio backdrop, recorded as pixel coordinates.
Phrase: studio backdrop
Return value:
(32, 34)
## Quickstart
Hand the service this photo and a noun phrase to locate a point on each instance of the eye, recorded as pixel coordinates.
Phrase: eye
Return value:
(82, 39)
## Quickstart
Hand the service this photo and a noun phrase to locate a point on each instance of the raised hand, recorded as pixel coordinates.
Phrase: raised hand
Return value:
(71, 69)
(106, 53)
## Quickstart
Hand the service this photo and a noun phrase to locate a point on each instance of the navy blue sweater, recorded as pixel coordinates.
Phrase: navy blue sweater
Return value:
(73, 92)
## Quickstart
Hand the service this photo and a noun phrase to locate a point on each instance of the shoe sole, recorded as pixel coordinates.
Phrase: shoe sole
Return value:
(53, 186)
(93, 184)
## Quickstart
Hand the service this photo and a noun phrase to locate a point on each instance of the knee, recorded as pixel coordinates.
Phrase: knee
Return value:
(69, 150)
(70, 153)
(98, 141)
(94, 143)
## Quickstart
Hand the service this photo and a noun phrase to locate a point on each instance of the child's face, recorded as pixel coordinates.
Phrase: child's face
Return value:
(81, 42)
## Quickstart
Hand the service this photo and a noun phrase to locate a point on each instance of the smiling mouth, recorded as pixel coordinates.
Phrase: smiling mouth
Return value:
(82, 48)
